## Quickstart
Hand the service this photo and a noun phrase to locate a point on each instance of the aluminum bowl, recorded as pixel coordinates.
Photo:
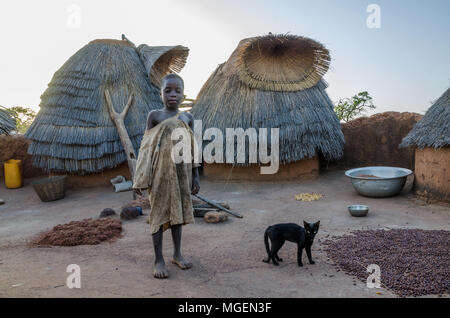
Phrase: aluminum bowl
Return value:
(358, 210)
(378, 182)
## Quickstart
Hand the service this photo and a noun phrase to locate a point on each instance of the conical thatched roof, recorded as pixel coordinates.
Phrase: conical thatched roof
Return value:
(433, 130)
(275, 81)
(73, 131)
(7, 123)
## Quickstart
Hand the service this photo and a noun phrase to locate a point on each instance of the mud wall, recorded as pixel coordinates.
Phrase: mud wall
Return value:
(374, 140)
(432, 173)
(301, 170)
(15, 147)
(101, 179)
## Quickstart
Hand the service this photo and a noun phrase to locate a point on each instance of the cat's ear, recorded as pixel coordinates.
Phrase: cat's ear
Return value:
(305, 224)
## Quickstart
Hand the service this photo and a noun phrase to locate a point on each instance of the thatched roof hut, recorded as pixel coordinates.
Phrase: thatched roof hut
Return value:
(431, 137)
(433, 130)
(7, 123)
(275, 81)
(73, 131)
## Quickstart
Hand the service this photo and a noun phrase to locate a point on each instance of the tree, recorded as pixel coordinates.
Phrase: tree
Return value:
(23, 116)
(350, 108)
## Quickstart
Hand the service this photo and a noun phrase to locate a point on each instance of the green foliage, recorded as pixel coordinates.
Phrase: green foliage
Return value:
(23, 116)
(350, 108)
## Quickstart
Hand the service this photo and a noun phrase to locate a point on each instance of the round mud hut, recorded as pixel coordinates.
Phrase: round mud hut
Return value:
(431, 137)
(74, 132)
(7, 123)
(272, 81)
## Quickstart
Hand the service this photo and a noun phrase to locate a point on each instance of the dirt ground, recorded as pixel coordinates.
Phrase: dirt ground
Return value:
(226, 257)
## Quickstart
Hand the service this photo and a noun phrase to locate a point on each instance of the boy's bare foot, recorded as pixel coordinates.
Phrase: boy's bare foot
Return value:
(160, 270)
(181, 262)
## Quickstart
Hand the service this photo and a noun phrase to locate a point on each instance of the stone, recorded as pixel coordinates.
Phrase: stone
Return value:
(107, 212)
(199, 213)
(215, 217)
(129, 213)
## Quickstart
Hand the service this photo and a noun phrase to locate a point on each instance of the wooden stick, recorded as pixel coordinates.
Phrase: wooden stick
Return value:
(206, 205)
(123, 114)
(218, 206)
(205, 209)
(119, 121)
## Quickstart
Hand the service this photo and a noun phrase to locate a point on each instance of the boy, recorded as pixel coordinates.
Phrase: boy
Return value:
(170, 184)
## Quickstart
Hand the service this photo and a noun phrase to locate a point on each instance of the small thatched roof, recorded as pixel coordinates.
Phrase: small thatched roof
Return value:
(162, 60)
(7, 123)
(73, 131)
(433, 130)
(275, 81)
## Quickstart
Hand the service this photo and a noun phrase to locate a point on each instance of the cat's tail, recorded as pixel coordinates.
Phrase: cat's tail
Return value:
(266, 243)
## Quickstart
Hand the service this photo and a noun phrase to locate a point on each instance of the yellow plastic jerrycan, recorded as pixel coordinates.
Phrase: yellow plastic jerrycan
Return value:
(13, 173)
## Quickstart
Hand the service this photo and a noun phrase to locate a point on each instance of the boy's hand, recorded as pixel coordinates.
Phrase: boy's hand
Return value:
(195, 185)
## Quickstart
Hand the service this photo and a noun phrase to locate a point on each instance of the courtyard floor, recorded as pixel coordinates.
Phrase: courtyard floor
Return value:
(226, 257)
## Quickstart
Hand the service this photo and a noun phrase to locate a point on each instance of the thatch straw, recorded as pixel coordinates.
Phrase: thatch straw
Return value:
(433, 130)
(281, 63)
(305, 117)
(7, 123)
(73, 131)
(162, 60)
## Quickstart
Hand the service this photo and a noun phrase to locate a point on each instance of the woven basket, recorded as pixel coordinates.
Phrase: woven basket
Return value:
(50, 189)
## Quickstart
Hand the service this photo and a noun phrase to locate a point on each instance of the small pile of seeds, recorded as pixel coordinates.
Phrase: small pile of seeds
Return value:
(308, 197)
(85, 232)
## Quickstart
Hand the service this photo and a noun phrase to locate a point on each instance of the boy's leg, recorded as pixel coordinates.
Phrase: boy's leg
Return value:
(160, 266)
(177, 258)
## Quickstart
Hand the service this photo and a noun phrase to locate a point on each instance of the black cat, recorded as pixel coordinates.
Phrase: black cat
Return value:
(291, 232)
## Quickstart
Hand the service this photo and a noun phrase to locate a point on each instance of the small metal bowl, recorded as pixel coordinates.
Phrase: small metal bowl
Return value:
(358, 210)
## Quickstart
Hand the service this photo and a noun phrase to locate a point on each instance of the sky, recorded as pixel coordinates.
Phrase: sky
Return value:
(401, 58)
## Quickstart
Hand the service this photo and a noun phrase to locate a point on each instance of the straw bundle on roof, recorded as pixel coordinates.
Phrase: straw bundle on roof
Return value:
(162, 60)
(279, 62)
(274, 81)
(433, 130)
(73, 131)
(7, 123)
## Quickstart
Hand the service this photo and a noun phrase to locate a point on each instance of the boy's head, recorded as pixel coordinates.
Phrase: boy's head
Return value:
(172, 90)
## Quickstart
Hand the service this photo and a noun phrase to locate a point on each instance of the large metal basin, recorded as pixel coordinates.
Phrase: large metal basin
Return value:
(378, 182)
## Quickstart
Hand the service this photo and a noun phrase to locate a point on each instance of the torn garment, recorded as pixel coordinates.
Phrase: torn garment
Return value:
(169, 183)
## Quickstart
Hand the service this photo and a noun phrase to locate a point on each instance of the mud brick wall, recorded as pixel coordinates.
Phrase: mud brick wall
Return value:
(374, 140)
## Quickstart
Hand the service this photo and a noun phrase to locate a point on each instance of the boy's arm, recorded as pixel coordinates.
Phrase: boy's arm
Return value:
(191, 120)
(195, 181)
(150, 120)
(195, 174)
